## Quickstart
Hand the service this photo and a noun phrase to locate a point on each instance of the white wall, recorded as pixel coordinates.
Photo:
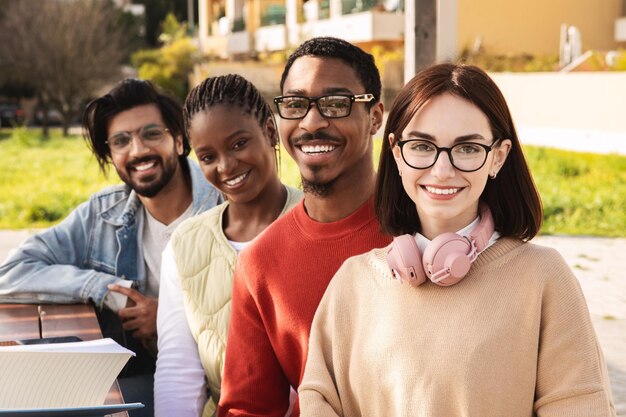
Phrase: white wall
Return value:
(579, 111)
(358, 27)
(239, 43)
(270, 38)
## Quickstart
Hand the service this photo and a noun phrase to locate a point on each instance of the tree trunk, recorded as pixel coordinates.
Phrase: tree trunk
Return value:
(67, 111)
(45, 128)
(42, 106)
(66, 125)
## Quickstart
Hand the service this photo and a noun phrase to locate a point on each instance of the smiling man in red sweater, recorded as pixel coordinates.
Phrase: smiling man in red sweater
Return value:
(329, 110)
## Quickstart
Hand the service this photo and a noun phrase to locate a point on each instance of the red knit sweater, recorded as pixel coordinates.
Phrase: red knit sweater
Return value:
(278, 284)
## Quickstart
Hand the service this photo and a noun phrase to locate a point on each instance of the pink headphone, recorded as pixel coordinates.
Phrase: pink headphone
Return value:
(446, 260)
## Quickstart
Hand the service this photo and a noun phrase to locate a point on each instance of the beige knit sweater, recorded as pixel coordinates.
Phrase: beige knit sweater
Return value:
(512, 339)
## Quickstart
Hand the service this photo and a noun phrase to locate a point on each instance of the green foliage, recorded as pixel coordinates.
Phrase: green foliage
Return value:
(385, 58)
(272, 58)
(288, 171)
(172, 29)
(604, 61)
(170, 65)
(582, 193)
(156, 11)
(41, 180)
(619, 62)
(511, 62)
(596, 61)
(25, 137)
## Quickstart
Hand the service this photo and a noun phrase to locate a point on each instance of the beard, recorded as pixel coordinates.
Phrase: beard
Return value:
(320, 190)
(152, 185)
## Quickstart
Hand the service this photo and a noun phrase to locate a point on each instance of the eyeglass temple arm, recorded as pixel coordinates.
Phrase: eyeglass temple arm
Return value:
(364, 97)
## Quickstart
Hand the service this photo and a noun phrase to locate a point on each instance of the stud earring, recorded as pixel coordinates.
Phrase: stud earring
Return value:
(493, 176)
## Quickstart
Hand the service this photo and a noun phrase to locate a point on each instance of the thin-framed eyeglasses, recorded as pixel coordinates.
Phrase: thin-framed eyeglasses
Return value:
(464, 156)
(149, 135)
(333, 106)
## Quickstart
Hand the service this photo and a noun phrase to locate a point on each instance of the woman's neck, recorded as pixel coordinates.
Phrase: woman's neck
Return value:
(242, 222)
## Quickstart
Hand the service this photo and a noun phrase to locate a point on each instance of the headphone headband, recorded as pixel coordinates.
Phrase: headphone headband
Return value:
(484, 230)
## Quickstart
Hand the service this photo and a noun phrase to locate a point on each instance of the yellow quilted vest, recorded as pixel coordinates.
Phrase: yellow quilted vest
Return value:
(205, 266)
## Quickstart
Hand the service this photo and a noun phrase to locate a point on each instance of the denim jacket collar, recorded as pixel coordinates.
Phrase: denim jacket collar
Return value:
(204, 195)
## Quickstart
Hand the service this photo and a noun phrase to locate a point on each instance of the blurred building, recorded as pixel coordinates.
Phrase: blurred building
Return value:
(232, 28)
(244, 28)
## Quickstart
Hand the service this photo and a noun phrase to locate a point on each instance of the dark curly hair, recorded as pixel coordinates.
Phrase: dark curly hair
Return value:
(329, 47)
(127, 94)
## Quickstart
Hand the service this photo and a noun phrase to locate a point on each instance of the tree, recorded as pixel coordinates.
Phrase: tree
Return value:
(170, 65)
(65, 49)
(156, 11)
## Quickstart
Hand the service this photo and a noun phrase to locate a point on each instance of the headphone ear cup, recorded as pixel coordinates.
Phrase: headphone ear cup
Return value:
(447, 254)
(403, 257)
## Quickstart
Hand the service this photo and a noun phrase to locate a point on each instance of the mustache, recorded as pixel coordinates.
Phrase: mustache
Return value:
(313, 136)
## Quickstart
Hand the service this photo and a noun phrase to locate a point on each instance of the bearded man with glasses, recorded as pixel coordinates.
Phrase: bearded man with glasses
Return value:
(108, 250)
(329, 109)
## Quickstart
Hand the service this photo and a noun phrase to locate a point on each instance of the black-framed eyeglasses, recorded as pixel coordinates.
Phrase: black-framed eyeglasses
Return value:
(150, 135)
(464, 156)
(332, 106)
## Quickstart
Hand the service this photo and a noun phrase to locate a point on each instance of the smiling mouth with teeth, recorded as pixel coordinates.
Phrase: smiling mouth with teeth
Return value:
(442, 191)
(317, 149)
(234, 181)
(144, 166)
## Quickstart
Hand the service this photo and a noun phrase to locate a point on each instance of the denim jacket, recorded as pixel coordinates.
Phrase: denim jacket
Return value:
(98, 244)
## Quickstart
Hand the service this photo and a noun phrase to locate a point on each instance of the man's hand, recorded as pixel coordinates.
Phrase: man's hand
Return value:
(140, 313)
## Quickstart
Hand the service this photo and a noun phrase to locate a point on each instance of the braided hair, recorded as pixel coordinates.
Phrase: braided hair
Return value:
(231, 89)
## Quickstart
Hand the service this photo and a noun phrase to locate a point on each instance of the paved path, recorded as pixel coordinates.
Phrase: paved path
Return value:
(10, 239)
(599, 264)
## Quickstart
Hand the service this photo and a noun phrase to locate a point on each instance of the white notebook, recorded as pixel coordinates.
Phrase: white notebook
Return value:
(59, 375)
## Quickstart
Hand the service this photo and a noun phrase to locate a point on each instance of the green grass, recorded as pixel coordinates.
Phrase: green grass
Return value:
(582, 193)
(42, 180)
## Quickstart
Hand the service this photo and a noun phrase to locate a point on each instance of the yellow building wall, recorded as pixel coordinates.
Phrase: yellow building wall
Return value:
(533, 26)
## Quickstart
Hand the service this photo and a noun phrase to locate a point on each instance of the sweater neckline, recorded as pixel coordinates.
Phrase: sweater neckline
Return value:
(502, 247)
(313, 229)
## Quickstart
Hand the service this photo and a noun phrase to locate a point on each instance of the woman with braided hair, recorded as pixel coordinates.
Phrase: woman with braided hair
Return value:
(232, 131)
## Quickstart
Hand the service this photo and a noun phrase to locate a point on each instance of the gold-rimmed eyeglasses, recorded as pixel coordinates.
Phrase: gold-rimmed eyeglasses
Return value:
(332, 106)
(149, 135)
